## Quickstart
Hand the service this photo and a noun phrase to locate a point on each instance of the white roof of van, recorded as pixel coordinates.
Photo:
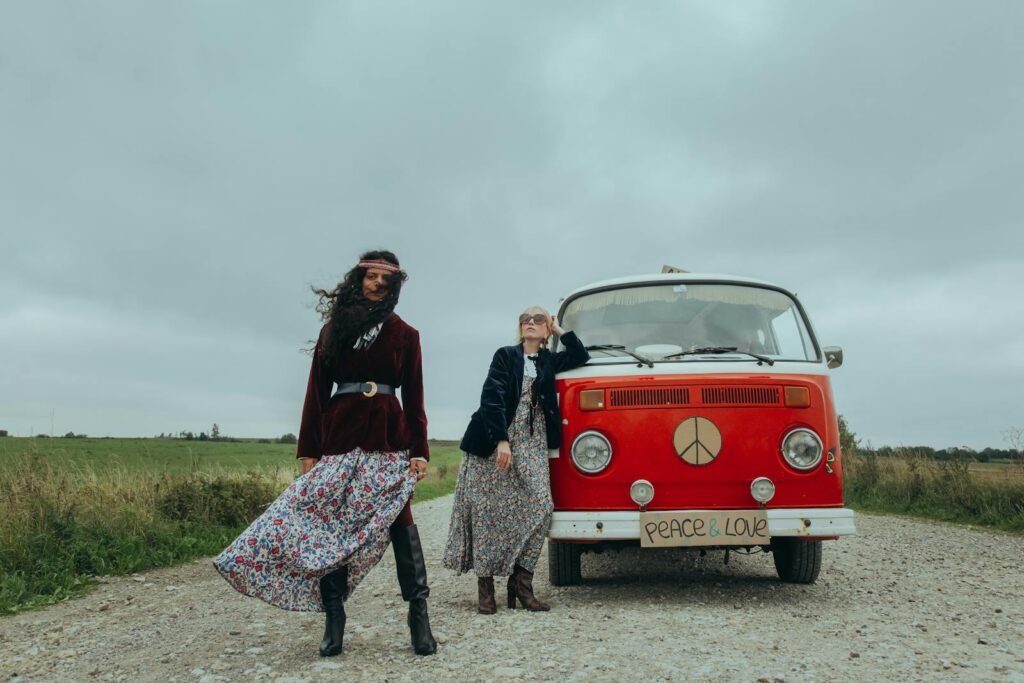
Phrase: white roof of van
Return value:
(671, 278)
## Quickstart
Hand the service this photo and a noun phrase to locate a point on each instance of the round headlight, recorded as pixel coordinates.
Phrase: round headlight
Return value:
(591, 452)
(642, 492)
(762, 489)
(802, 449)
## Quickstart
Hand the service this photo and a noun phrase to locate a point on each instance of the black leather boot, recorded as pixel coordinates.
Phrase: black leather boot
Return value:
(412, 577)
(333, 588)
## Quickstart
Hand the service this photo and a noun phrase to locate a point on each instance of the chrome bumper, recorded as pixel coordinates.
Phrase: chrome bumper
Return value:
(625, 526)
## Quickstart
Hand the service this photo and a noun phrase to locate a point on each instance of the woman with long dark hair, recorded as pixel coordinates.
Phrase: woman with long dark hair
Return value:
(362, 453)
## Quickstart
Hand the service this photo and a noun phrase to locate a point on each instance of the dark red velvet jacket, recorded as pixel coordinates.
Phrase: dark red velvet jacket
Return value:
(332, 426)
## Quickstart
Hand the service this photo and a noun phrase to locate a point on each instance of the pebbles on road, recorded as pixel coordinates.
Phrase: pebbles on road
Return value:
(903, 600)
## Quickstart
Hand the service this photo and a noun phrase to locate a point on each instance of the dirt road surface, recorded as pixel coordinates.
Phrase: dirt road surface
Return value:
(903, 600)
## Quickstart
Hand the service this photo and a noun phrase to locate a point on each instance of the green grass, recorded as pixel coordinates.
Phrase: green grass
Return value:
(986, 494)
(441, 473)
(160, 455)
(1001, 471)
(73, 509)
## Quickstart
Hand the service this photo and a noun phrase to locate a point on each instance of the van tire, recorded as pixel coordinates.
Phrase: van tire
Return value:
(797, 561)
(564, 563)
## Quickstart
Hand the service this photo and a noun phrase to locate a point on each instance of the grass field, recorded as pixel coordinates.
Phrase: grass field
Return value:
(988, 494)
(160, 455)
(997, 472)
(72, 509)
(117, 458)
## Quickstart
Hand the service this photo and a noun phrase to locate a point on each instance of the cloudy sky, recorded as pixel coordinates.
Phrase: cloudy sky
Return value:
(175, 175)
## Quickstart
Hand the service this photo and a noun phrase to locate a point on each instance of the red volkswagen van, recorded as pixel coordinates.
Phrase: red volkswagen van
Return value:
(704, 419)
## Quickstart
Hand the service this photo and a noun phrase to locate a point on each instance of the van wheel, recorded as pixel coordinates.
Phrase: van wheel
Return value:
(564, 563)
(797, 561)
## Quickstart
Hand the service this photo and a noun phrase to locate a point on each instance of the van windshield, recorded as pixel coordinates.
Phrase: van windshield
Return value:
(659, 320)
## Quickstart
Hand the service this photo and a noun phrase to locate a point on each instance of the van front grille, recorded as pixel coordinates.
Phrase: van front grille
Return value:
(744, 396)
(661, 397)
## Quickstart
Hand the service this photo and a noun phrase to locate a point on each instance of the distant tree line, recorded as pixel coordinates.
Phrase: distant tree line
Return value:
(950, 453)
(69, 435)
(215, 435)
(849, 443)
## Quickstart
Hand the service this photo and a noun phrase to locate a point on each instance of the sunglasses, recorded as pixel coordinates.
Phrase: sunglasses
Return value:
(536, 318)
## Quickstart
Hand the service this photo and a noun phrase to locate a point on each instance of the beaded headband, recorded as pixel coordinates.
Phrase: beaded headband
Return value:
(380, 265)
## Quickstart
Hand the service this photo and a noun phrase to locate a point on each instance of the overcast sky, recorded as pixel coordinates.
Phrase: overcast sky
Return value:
(175, 175)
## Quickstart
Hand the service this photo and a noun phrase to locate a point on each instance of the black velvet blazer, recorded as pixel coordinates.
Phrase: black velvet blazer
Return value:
(504, 384)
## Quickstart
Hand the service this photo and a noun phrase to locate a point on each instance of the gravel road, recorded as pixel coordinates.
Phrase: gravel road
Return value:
(903, 600)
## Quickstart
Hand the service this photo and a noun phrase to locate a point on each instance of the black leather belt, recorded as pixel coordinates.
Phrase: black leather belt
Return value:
(365, 388)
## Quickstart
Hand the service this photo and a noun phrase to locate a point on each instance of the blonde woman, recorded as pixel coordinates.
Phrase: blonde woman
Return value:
(502, 506)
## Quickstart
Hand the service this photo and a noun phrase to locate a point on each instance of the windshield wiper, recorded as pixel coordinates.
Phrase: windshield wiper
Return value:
(712, 350)
(622, 349)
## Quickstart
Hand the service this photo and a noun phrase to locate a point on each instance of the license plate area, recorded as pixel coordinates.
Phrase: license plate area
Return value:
(703, 527)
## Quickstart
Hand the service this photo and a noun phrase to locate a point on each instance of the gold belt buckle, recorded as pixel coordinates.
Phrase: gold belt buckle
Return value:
(372, 391)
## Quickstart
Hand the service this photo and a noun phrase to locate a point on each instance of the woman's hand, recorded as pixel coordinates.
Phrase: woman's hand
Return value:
(504, 455)
(307, 463)
(418, 469)
(555, 327)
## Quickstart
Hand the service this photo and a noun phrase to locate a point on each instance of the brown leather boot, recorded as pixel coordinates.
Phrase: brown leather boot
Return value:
(520, 585)
(485, 593)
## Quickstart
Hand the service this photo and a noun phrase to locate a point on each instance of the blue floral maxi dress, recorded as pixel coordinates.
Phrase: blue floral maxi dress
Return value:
(338, 513)
(501, 517)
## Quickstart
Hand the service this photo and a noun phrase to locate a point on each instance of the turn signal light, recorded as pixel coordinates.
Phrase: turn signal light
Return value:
(798, 397)
(592, 399)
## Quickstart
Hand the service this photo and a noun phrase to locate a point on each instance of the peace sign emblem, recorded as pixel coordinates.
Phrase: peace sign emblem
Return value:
(697, 440)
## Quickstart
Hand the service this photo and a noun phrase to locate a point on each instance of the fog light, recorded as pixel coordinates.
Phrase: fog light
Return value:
(642, 492)
(762, 489)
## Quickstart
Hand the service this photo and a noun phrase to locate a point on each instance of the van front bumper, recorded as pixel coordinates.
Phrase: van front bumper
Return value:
(625, 526)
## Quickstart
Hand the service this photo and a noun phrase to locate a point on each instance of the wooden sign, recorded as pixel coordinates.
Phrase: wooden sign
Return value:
(703, 527)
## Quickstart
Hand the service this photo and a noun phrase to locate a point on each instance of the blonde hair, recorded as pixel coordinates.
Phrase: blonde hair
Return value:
(519, 327)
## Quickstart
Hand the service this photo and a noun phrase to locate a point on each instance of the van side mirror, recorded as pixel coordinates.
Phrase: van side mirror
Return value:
(833, 356)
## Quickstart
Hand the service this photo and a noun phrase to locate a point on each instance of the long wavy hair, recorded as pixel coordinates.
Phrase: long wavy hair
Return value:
(347, 313)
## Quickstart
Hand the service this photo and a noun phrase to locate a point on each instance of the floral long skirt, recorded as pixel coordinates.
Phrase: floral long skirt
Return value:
(501, 517)
(336, 514)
